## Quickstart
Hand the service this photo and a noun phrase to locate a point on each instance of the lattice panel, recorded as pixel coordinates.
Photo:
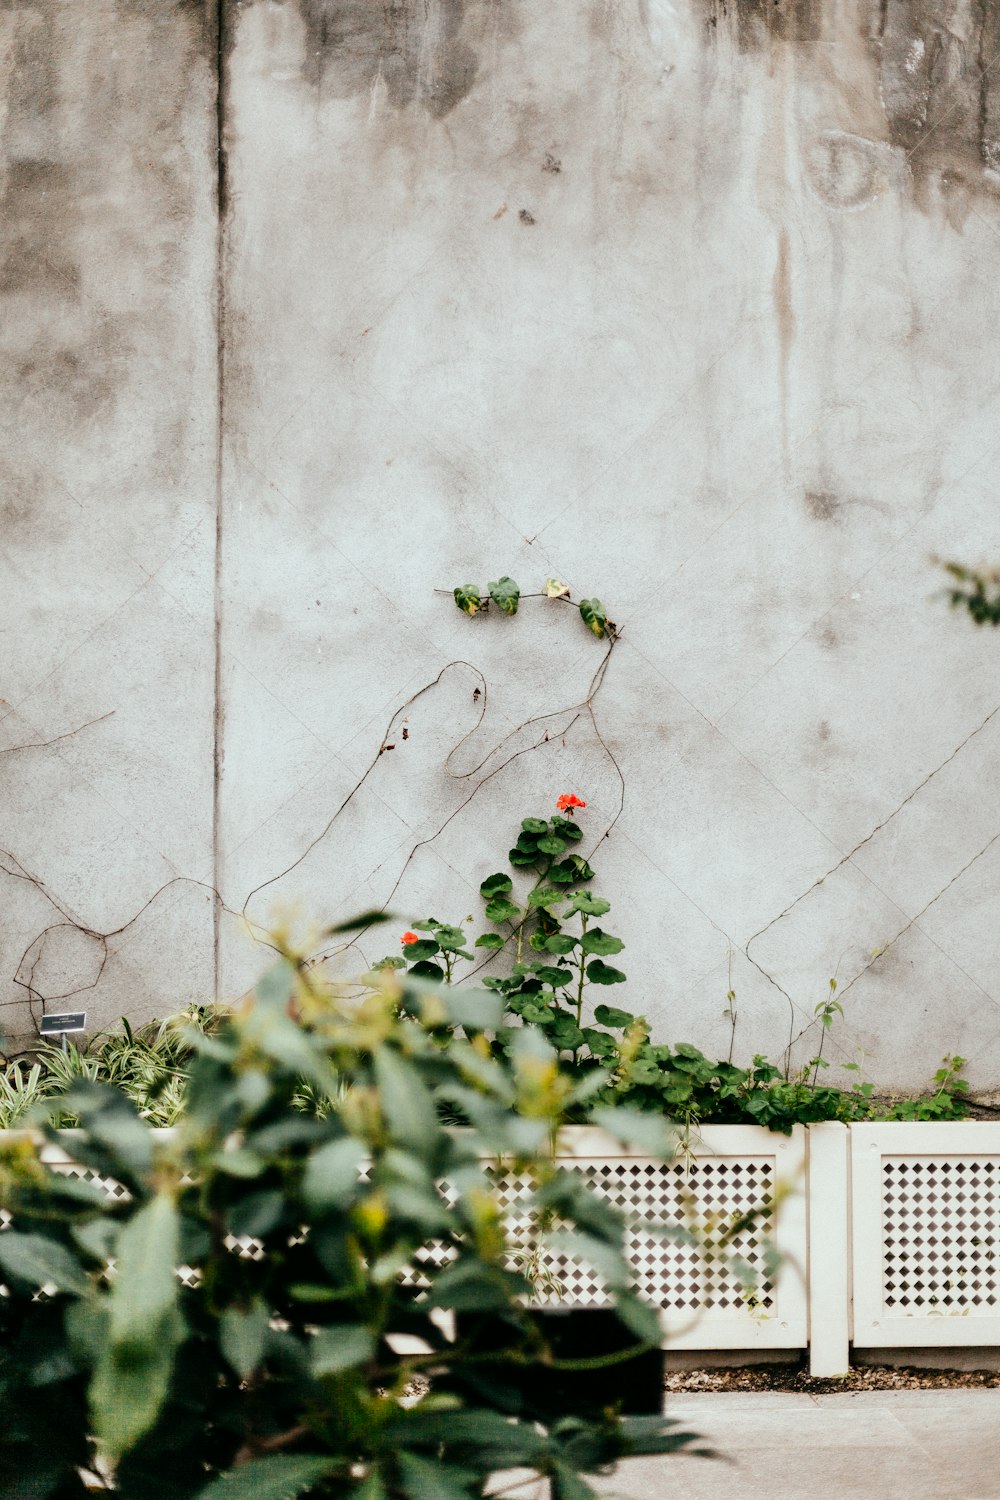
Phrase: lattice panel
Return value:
(244, 1245)
(941, 1236)
(704, 1197)
(108, 1185)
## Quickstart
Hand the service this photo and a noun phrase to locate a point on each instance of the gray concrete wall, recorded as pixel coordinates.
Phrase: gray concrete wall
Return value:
(690, 305)
(108, 411)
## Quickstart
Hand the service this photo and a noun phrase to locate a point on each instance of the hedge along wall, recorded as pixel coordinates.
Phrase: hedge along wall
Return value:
(689, 306)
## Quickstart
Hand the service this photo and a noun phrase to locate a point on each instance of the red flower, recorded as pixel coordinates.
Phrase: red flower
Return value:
(409, 937)
(568, 801)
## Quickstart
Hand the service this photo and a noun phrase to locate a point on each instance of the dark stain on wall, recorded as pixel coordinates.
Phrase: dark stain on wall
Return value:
(96, 183)
(755, 21)
(934, 73)
(417, 48)
(822, 505)
(940, 94)
(36, 255)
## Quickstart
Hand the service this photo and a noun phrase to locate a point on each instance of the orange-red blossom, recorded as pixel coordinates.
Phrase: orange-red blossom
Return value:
(568, 801)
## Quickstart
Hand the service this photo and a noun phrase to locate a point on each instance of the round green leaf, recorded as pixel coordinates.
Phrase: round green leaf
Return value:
(534, 825)
(591, 906)
(553, 976)
(502, 910)
(451, 939)
(600, 1044)
(599, 972)
(607, 1015)
(552, 844)
(546, 895)
(426, 970)
(561, 942)
(491, 940)
(422, 948)
(537, 1014)
(564, 1032)
(496, 885)
(597, 941)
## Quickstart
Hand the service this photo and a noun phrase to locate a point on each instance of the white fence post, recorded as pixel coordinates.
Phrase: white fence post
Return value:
(829, 1266)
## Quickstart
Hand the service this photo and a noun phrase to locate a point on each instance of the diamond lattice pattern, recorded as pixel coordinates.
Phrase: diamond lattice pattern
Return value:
(941, 1235)
(723, 1203)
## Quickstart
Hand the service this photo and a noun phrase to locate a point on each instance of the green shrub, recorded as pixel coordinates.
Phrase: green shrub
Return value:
(280, 1373)
(557, 954)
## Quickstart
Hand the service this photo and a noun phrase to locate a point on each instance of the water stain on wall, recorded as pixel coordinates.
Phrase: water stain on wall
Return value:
(822, 505)
(934, 69)
(36, 256)
(755, 21)
(417, 49)
(77, 198)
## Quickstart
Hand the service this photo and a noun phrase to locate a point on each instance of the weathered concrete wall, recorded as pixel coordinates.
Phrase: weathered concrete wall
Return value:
(691, 305)
(108, 251)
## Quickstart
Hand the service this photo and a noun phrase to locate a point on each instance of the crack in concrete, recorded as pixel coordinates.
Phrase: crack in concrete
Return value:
(848, 858)
(69, 734)
(218, 709)
(914, 921)
(868, 838)
(891, 943)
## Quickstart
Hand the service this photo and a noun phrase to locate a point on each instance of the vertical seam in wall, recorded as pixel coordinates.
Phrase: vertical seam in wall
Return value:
(220, 378)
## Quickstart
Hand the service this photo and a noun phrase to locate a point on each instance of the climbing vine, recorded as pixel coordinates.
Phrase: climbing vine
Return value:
(506, 595)
(977, 592)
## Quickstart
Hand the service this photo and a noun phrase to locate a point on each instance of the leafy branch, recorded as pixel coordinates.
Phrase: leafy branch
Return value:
(506, 595)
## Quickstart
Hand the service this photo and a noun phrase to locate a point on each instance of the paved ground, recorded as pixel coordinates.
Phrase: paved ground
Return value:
(900, 1445)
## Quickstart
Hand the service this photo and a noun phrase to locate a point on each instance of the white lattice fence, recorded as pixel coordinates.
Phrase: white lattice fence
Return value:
(720, 1293)
(889, 1234)
(723, 1292)
(60, 1160)
(926, 1234)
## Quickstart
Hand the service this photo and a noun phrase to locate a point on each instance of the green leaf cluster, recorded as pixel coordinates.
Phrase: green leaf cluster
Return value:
(975, 591)
(506, 595)
(553, 954)
(242, 1319)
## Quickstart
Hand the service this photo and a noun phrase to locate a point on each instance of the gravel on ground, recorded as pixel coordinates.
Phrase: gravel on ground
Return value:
(792, 1377)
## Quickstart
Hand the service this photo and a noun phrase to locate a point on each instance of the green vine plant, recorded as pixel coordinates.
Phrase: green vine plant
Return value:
(976, 591)
(506, 595)
(396, 732)
(550, 932)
